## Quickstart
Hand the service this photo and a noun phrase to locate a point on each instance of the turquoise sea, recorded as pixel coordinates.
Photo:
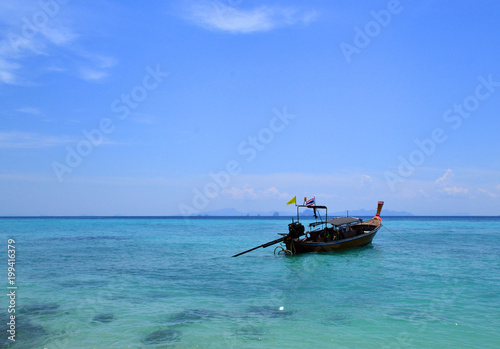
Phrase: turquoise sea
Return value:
(429, 282)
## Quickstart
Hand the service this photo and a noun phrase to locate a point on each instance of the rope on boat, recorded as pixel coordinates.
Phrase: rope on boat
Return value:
(413, 242)
(282, 249)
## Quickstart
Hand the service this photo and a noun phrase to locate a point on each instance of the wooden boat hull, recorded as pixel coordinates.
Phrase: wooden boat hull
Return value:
(301, 246)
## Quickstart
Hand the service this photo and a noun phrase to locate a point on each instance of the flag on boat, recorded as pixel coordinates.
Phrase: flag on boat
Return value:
(292, 201)
(310, 202)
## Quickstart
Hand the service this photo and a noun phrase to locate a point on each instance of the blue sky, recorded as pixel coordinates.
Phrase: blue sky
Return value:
(183, 107)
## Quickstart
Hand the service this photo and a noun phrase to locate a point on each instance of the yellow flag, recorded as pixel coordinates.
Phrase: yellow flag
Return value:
(292, 201)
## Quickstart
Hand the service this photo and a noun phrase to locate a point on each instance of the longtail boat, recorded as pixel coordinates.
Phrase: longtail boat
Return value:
(325, 235)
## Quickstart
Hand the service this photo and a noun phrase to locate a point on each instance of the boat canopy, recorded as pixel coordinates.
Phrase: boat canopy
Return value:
(313, 206)
(343, 220)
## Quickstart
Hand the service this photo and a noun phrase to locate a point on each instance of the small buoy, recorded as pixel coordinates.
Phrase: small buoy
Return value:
(281, 308)
(456, 324)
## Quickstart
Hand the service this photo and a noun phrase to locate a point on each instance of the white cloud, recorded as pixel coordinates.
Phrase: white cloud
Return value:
(90, 74)
(239, 193)
(221, 16)
(488, 193)
(423, 193)
(454, 191)
(366, 179)
(16, 48)
(448, 174)
(26, 177)
(8, 70)
(251, 193)
(25, 140)
(273, 193)
(60, 36)
(37, 30)
(29, 110)
(141, 118)
(104, 61)
(96, 67)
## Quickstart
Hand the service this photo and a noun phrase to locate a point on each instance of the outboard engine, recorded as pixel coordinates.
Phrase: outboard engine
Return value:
(295, 230)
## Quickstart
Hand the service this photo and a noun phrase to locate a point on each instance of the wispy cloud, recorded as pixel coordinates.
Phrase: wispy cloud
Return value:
(29, 110)
(488, 193)
(444, 185)
(141, 118)
(221, 16)
(366, 179)
(96, 67)
(90, 74)
(37, 30)
(26, 140)
(448, 174)
(7, 68)
(255, 194)
(24, 38)
(59, 35)
(454, 191)
(24, 177)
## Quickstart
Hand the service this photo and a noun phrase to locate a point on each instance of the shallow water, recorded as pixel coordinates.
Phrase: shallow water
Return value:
(167, 282)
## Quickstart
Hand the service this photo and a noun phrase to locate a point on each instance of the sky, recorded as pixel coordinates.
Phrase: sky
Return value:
(188, 106)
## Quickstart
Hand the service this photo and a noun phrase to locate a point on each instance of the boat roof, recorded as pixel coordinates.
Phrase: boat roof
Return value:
(313, 206)
(343, 220)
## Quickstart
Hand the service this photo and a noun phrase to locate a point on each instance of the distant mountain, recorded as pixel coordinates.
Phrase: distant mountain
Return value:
(359, 213)
(372, 213)
(233, 212)
(306, 212)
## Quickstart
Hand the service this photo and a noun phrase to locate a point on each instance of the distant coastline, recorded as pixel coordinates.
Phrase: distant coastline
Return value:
(206, 216)
(305, 212)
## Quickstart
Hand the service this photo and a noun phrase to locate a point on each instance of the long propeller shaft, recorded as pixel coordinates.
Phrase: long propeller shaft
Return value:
(263, 246)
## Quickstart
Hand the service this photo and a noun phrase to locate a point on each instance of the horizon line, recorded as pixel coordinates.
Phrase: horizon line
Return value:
(210, 216)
